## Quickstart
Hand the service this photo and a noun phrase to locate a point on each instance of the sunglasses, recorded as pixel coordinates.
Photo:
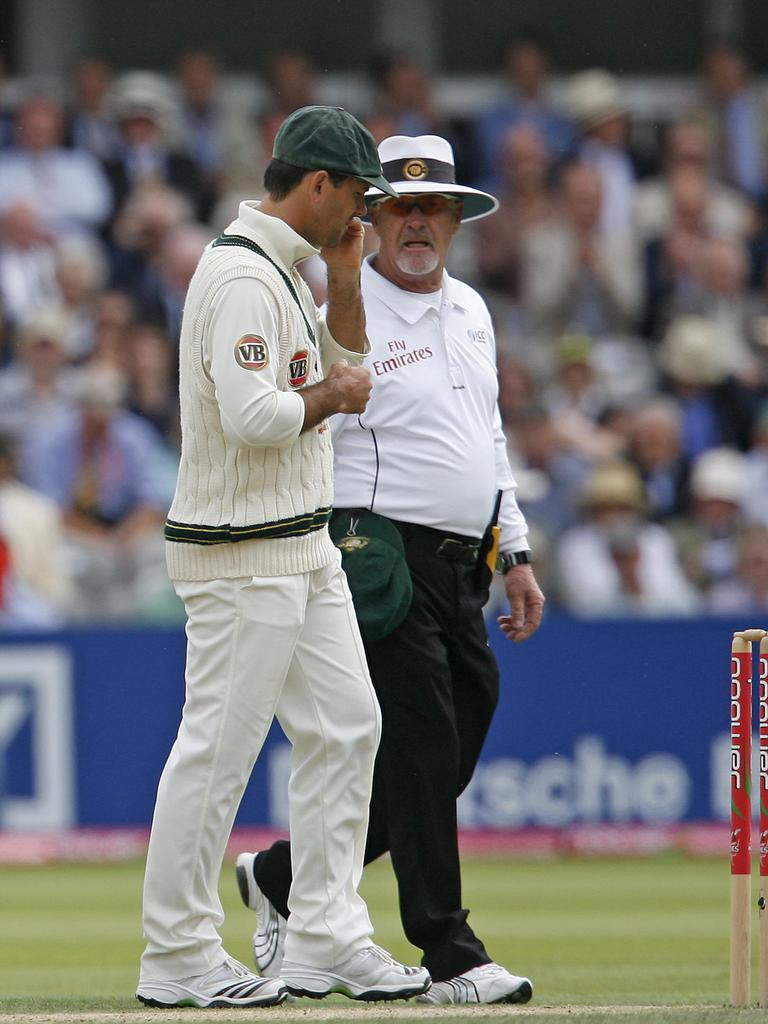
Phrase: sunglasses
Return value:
(429, 205)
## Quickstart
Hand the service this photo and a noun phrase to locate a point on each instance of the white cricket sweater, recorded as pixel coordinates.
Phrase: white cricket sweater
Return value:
(253, 494)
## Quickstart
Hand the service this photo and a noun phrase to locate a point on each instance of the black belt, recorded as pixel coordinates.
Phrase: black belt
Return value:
(453, 547)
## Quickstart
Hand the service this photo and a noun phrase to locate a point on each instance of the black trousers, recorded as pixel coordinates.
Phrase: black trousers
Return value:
(437, 683)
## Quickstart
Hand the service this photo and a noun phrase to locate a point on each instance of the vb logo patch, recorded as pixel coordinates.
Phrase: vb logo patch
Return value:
(298, 369)
(251, 352)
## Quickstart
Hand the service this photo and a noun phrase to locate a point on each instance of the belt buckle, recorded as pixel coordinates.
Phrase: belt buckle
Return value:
(446, 548)
(456, 551)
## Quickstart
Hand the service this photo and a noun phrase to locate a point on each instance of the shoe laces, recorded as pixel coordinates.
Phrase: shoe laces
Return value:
(491, 969)
(238, 969)
(381, 954)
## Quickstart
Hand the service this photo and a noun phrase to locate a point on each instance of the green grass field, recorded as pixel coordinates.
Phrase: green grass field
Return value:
(598, 937)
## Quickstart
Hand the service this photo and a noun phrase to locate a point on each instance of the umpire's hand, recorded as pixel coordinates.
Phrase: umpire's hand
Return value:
(526, 603)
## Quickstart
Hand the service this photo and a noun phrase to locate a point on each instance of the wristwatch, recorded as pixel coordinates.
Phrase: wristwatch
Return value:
(508, 560)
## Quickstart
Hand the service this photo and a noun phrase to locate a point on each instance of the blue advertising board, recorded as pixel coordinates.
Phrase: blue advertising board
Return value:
(599, 722)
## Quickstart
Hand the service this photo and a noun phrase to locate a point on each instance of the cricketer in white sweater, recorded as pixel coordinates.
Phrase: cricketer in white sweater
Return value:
(271, 629)
(254, 493)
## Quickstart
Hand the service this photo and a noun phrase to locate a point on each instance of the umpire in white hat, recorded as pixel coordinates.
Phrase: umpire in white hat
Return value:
(421, 477)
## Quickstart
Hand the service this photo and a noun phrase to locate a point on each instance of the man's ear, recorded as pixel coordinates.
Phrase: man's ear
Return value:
(317, 182)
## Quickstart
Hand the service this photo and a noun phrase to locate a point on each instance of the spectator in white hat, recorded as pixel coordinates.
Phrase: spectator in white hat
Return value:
(708, 538)
(716, 408)
(149, 153)
(38, 387)
(595, 101)
(615, 562)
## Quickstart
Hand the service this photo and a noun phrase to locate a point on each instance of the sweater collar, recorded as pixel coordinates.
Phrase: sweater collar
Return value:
(407, 305)
(276, 237)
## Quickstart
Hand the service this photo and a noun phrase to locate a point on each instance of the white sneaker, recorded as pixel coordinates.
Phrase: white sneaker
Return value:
(231, 984)
(488, 983)
(269, 937)
(370, 974)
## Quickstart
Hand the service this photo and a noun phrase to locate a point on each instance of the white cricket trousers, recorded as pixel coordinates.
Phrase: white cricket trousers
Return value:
(259, 647)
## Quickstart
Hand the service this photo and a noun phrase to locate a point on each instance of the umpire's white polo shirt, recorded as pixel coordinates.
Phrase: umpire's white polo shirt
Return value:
(429, 448)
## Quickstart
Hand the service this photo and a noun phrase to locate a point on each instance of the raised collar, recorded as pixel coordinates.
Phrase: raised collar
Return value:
(406, 305)
(276, 237)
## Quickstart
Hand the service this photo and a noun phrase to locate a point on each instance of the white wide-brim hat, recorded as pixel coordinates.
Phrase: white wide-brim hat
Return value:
(424, 163)
(690, 351)
(593, 97)
(143, 94)
(719, 474)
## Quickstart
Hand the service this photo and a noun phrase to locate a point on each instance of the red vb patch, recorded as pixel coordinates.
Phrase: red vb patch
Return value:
(298, 369)
(251, 352)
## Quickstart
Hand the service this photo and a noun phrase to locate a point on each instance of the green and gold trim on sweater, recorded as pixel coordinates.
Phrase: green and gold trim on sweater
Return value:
(296, 526)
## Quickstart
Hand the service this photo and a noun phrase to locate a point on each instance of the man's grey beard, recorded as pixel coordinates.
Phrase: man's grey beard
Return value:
(417, 264)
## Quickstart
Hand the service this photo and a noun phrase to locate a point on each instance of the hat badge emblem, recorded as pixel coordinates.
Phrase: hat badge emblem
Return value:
(352, 543)
(415, 169)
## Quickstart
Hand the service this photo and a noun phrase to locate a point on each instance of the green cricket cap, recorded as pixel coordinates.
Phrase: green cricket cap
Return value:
(330, 139)
(373, 558)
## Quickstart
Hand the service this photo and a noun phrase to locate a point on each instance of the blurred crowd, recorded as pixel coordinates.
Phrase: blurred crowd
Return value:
(628, 289)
